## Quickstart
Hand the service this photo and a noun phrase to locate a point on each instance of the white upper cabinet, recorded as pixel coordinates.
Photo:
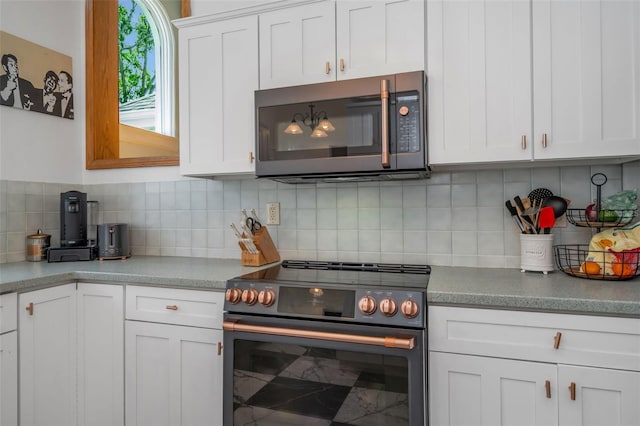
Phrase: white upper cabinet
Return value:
(331, 40)
(297, 45)
(218, 65)
(379, 37)
(586, 78)
(520, 80)
(479, 81)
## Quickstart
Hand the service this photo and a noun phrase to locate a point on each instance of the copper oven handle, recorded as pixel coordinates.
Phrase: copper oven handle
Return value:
(387, 341)
(384, 96)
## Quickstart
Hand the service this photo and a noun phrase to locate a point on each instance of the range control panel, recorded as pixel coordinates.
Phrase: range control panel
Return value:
(398, 307)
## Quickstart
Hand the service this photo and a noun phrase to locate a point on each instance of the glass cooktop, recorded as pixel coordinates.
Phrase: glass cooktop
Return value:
(303, 272)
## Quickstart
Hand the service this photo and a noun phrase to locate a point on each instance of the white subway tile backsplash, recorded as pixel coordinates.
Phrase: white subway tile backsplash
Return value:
(369, 218)
(347, 196)
(369, 197)
(463, 195)
(327, 240)
(347, 218)
(327, 219)
(414, 196)
(438, 196)
(391, 218)
(453, 218)
(464, 243)
(306, 219)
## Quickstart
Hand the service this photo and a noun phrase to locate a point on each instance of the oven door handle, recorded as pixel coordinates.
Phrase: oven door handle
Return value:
(387, 341)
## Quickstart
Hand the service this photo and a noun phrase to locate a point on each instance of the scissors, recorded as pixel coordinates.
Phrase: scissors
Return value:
(252, 222)
(253, 225)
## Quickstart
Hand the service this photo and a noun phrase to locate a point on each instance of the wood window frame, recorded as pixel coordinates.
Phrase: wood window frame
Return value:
(103, 128)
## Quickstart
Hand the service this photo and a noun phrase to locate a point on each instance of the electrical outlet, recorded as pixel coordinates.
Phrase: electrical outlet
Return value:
(273, 213)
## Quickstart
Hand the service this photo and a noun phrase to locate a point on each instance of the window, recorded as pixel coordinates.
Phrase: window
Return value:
(106, 136)
(146, 46)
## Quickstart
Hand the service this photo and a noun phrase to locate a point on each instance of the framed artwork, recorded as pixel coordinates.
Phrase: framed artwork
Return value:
(35, 78)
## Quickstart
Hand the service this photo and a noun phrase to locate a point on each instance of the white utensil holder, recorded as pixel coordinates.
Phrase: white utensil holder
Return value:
(536, 252)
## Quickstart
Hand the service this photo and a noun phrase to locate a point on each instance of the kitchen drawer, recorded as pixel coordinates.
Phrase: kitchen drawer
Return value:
(583, 340)
(175, 306)
(8, 312)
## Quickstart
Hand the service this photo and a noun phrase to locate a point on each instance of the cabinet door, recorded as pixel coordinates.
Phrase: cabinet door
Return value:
(218, 65)
(379, 37)
(9, 379)
(586, 78)
(602, 396)
(479, 81)
(47, 324)
(173, 375)
(297, 45)
(100, 354)
(483, 391)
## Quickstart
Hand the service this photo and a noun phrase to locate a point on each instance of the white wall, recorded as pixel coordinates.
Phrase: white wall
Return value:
(34, 146)
(40, 148)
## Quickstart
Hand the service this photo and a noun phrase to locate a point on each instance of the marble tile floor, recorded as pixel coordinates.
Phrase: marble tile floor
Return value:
(274, 387)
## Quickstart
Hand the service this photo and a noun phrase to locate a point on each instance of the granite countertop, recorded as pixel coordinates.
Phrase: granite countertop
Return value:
(553, 292)
(182, 272)
(461, 286)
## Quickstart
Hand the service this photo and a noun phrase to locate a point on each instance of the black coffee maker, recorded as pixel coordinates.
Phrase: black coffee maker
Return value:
(74, 244)
(73, 219)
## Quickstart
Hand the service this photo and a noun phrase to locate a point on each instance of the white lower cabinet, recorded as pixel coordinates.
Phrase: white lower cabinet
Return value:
(8, 360)
(100, 354)
(492, 367)
(484, 391)
(71, 346)
(9, 379)
(173, 364)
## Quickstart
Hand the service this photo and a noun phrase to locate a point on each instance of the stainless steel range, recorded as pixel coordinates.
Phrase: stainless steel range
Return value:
(326, 343)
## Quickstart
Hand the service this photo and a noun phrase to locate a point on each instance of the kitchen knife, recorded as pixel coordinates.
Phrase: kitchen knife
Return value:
(514, 215)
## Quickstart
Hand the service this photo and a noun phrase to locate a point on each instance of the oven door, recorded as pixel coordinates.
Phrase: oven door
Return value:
(307, 372)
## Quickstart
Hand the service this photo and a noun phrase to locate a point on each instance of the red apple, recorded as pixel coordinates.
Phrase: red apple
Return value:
(591, 213)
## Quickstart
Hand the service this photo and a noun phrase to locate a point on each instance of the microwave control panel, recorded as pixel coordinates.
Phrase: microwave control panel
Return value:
(408, 124)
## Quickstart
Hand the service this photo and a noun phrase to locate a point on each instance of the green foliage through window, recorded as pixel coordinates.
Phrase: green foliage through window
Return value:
(136, 45)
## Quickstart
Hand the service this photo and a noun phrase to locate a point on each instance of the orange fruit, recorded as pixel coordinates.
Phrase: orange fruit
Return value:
(590, 268)
(621, 269)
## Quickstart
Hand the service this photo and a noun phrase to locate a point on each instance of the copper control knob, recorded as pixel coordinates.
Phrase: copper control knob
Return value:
(388, 307)
(250, 296)
(267, 297)
(367, 305)
(409, 308)
(233, 295)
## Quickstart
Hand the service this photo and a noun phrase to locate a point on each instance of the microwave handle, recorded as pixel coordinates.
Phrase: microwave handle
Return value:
(384, 96)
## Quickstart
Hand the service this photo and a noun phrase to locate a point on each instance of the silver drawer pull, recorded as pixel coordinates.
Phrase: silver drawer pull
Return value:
(172, 307)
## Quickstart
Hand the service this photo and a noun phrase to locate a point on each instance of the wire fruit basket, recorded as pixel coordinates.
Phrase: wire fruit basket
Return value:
(600, 219)
(573, 259)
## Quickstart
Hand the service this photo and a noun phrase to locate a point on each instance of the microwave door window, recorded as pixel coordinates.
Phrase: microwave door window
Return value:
(294, 131)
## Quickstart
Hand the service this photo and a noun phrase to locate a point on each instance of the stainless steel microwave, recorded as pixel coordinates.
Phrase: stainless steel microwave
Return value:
(370, 128)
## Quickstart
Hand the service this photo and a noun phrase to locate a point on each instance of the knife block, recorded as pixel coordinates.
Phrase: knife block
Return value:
(267, 251)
